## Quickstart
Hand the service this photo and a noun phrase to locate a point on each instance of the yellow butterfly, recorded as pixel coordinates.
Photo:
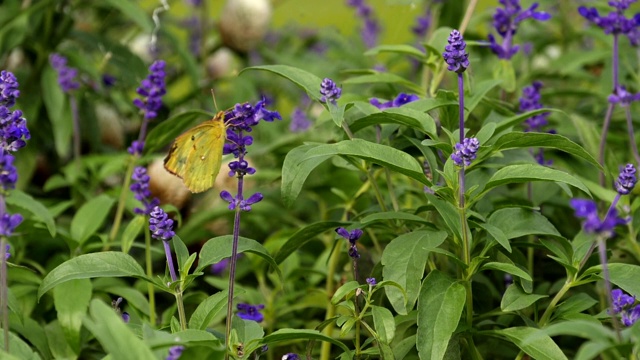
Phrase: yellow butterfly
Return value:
(196, 155)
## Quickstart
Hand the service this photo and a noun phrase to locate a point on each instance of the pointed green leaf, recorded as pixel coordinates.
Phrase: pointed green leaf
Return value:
(515, 299)
(23, 200)
(306, 80)
(103, 264)
(114, 335)
(439, 309)
(508, 268)
(295, 172)
(303, 236)
(517, 222)
(207, 310)
(534, 342)
(131, 232)
(71, 300)
(90, 217)
(403, 261)
(418, 120)
(302, 334)
(384, 323)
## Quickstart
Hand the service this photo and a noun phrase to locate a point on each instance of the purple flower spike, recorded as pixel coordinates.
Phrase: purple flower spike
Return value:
(630, 317)
(66, 75)
(399, 100)
(7, 252)
(152, 89)
(299, 121)
(623, 97)
(371, 281)
(8, 172)
(330, 91)
(290, 356)
(141, 191)
(220, 266)
(370, 26)
(8, 88)
(506, 21)
(160, 225)
(615, 22)
(530, 101)
(244, 205)
(466, 152)
(455, 54)
(621, 300)
(626, 180)
(8, 223)
(587, 210)
(250, 312)
(13, 130)
(136, 148)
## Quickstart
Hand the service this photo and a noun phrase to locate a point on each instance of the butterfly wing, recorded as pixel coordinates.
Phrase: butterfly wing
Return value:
(196, 155)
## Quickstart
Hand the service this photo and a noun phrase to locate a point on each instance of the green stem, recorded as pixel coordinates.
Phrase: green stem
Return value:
(376, 189)
(150, 288)
(4, 292)
(552, 305)
(121, 202)
(181, 313)
(325, 351)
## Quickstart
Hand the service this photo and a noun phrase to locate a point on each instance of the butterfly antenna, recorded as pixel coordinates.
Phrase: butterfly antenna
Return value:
(215, 103)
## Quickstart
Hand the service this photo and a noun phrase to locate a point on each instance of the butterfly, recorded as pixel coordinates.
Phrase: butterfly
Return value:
(196, 155)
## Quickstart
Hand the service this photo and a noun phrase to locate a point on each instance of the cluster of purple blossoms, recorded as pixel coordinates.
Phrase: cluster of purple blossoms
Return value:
(160, 225)
(242, 118)
(623, 97)
(506, 21)
(330, 91)
(371, 281)
(615, 22)
(370, 27)
(466, 152)
(152, 89)
(455, 55)
(588, 210)
(399, 100)
(13, 136)
(66, 75)
(250, 312)
(423, 23)
(352, 236)
(290, 356)
(141, 191)
(623, 304)
(220, 266)
(175, 352)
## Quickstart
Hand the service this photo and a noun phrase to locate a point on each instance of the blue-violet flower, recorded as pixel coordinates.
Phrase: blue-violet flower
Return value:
(626, 180)
(466, 152)
(455, 55)
(175, 352)
(141, 191)
(506, 21)
(8, 88)
(66, 75)
(352, 236)
(160, 225)
(398, 101)
(152, 89)
(8, 223)
(586, 209)
(250, 312)
(330, 91)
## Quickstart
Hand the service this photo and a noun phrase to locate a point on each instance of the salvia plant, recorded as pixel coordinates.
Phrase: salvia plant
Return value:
(385, 180)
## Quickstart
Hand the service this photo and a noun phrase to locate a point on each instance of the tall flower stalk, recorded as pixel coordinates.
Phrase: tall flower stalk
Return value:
(161, 228)
(457, 60)
(604, 229)
(13, 136)
(616, 24)
(240, 121)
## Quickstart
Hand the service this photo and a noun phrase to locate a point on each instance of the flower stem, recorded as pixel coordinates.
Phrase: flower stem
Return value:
(552, 305)
(461, 102)
(234, 260)
(149, 267)
(632, 138)
(325, 352)
(616, 62)
(603, 140)
(121, 202)
(76, 127)
(602, 251)
(4, 296)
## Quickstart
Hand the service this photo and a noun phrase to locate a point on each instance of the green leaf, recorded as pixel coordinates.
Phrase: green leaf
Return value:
(504, 71)
(25, 201)
(418, 120)
(403, 261)
(478, 93)
(520, 118)
(303, 334)
(384, 323)
(520, 140)
(512, 174)
(71, 300)
(207, 310)
(515, 299)
(306, 80)
(303, 236)
(391, 215)
(574, 305)
(508, 268)
(299, 163)
(517, 222)
(220, 247)
(295, 172)
(343, 291)
(114, 335)
(134, 12)
(449, 214)
(384, 78)
(163, 134)
(496, 234)
(534, 342)
(58, 109)
(587, 329)
(20, 350)
(625, 276)
(439, 308)
(401, 49)
(103, 264)
(90, 217)
(131, 232)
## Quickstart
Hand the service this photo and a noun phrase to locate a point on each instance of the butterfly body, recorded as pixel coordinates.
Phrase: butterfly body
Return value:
(196, 155)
